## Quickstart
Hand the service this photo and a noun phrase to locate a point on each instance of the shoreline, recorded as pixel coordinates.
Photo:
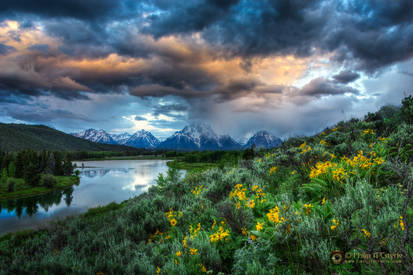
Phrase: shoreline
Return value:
(63, 182)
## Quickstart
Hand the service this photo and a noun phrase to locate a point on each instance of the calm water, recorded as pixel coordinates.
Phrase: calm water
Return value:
(101, 182)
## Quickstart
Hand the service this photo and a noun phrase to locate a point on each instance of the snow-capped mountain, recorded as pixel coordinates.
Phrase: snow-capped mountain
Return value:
(192, 137)
(263, 139)
(198, 137)
(142, 139)
(99, 136)
(121, 138)
(228, 143)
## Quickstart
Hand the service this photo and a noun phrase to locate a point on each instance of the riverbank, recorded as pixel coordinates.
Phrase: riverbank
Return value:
(23, 190)
(191, 167)
(141, 157)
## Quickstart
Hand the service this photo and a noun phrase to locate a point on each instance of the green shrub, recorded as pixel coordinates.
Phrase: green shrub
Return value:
(48, 181)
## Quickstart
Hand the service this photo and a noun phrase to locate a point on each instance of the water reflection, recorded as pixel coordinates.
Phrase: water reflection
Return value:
(30, 206)
(101, 182)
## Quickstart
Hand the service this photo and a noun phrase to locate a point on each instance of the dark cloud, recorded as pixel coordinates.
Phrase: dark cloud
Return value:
(167, 109)
(189, 16)
(140, 118)
(41, 114)
(88, 10)
(346, 77)
(374, 33)
(321, 87)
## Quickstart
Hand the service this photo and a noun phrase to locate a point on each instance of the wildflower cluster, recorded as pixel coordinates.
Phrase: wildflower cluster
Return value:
(363, 161)
(307, 208)
(366, 233)
(339, 174)
(221, 234)
(239, 195)
(335, 224)
(197, 190)
(259, 194)
(193, 231)
(321, 168)
(274, 216)
(304, 148)
(368, 131)
(172, 215)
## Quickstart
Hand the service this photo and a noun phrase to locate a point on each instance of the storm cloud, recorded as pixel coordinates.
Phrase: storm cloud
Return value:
(204, 54)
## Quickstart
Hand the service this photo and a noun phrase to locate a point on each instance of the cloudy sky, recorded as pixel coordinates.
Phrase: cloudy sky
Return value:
(291, 67)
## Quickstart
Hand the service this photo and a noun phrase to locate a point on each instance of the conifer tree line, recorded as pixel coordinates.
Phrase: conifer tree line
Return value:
(30, 165)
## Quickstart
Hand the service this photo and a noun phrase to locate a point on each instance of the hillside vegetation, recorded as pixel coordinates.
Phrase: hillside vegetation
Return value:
(346, 189)
(14, 137)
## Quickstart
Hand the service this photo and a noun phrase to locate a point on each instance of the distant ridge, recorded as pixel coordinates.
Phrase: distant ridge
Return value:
(194, 137)
(263, 139)
(14, 137)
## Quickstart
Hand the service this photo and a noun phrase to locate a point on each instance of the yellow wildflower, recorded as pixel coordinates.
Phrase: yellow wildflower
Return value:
(193, 251)
(173, 222)
(203, 269)
(244, 231)
(213, 225)
(158, 270)
(176, 261)
(178, 253)
(273, 170)
(323, 201)
(339, 174)
(401, 223)
(253, 237)
(293, 172)
(274, 216)
(335, 224)
(259, 226)
(307, 208)
(366, 233)
(220, 235)
(323, 142)
(251, 203)
(368, 131)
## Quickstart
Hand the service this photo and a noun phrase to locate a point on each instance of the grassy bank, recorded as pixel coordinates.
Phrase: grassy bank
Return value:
(23, 190)
(347, 189)
(144, 157)
(191, 167)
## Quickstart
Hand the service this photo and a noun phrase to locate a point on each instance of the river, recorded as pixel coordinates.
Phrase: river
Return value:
(101, 182)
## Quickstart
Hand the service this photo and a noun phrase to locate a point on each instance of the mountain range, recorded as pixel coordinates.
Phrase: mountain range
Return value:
(190, 138)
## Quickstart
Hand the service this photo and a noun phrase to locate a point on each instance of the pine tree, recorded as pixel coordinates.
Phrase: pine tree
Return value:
(58, 171)
(67, 166)
(12, 169)
(4, 176)
(19, 165)
(50, 166)
(31, 175)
